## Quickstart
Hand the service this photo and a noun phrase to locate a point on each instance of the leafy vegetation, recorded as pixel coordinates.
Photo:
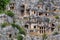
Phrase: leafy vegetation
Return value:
(3, 4)
(19, 37)
(10, 13)
(57, 17)
(21, 31)
(55, 33)
(44, 36)
(3, 25)
(1, 12)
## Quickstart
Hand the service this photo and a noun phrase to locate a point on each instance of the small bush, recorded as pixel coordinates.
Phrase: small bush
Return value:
(19, 37)
(9, 13)
(3, 25)
(55, 33)
(44, 36)
(21, 30)
(57, 17)
(3, 4)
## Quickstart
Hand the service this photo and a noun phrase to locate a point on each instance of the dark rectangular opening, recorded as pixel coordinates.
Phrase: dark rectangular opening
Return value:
(11, 8)
(40, 27)
(53, 24)
(31, 30)
(40, 13)
(22, 6)
(52, 29)
(34, 26)
(26, 26)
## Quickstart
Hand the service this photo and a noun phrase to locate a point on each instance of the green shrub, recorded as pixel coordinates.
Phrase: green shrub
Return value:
(19, 37)
(57, 17)
(44, 36)
(21, 30)
(9, 13)
(3, 4)
(3, 25)
(55, 33)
